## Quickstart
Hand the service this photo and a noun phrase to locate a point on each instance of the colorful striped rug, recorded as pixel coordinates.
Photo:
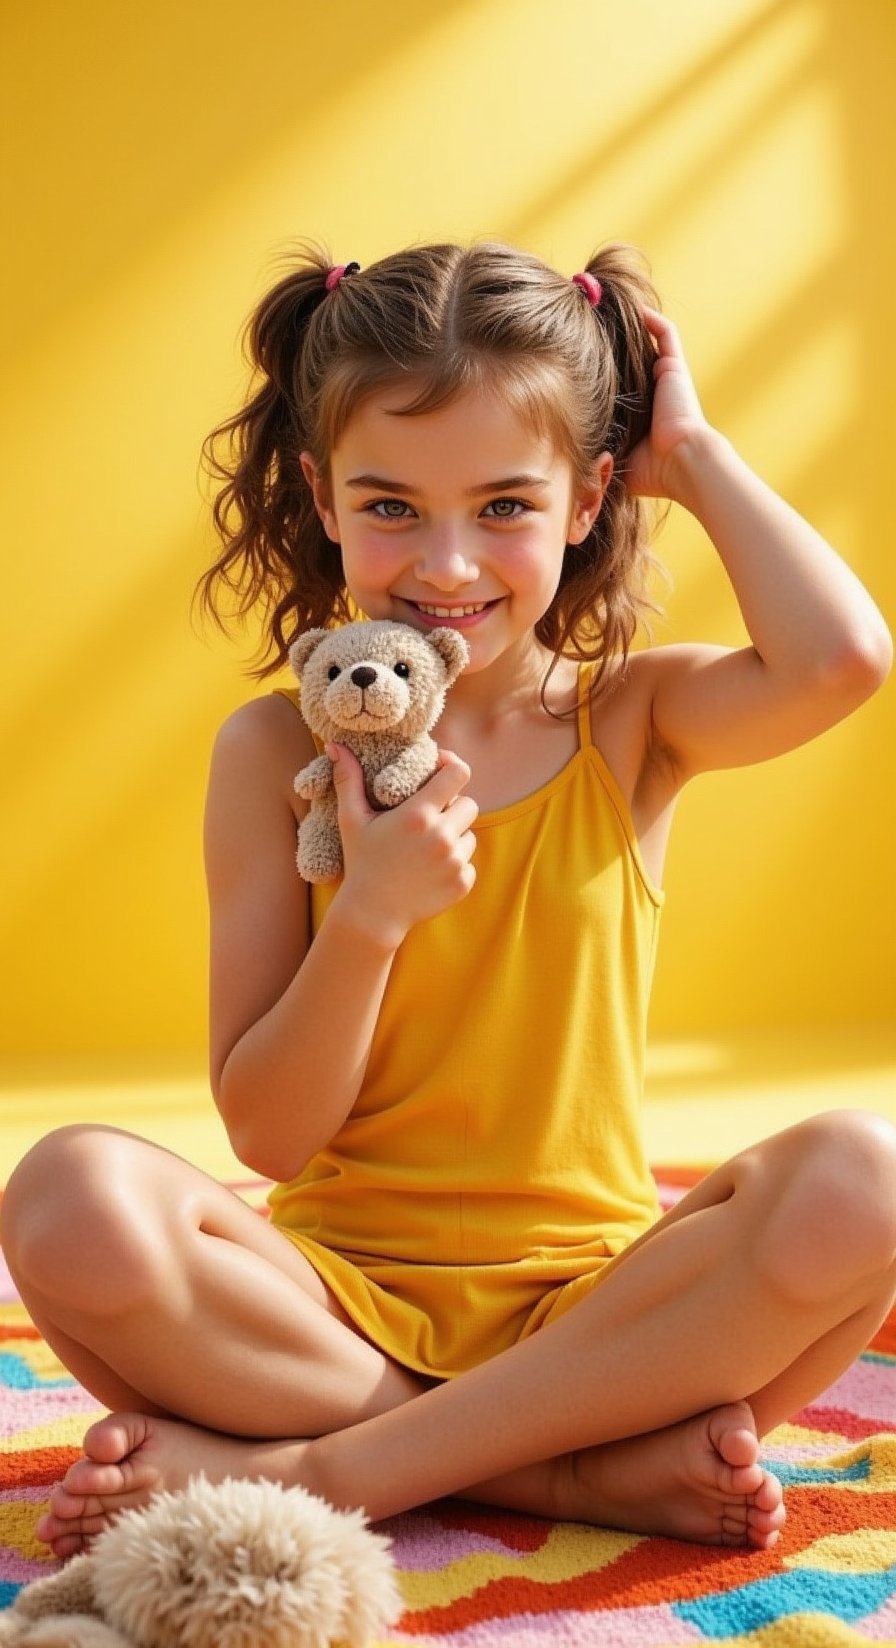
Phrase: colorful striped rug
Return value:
(475, 1578)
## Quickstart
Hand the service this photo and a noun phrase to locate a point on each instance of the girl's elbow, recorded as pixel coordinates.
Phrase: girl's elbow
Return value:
(866, 660)
(252, 1147)
(249, 1133)
(883, 654)
(855, 668)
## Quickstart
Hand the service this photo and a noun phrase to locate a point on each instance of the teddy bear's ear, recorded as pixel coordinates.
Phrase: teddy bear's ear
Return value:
(452, 649)
(301, 650)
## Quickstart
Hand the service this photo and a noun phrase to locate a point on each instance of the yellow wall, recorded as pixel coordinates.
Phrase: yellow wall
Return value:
(162, 155)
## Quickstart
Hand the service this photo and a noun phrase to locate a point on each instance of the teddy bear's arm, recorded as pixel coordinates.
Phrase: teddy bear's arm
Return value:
(315, 779)
(69, 1591)
(406, 773)
(66, 1631)
(59, 1612)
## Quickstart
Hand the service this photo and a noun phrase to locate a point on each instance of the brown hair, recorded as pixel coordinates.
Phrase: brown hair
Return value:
(445, 319)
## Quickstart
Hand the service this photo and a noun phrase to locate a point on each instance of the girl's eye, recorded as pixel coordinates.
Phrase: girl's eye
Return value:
(390, 509)
(506, 509)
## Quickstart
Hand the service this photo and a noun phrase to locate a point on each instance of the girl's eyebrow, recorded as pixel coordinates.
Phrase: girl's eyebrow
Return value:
(508, 483)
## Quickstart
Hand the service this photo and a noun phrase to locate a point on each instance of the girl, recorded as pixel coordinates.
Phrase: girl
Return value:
(465, 1286)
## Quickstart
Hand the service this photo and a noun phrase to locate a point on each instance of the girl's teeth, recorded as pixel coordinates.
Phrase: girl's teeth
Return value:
(451, 612)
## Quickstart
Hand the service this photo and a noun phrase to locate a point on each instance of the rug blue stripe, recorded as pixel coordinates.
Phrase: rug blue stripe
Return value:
(792, 1474)
(15, 1374)
(847, 1597)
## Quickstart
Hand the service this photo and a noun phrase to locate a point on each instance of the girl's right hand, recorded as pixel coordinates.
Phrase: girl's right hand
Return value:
(411, 862)
(676, 420)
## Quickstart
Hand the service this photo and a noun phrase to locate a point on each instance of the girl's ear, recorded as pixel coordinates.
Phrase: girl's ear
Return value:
(588, 499)
(321, 494)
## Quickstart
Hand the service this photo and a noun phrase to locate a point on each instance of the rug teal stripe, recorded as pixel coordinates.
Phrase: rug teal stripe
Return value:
(15, 1374)
(793, 1475)
(847, 1597)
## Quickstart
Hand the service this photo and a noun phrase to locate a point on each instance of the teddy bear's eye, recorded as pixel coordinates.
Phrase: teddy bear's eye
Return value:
(403, 670)
(333, 672)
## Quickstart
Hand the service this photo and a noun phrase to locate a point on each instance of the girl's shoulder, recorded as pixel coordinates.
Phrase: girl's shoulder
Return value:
(259, 749)
(264, 725)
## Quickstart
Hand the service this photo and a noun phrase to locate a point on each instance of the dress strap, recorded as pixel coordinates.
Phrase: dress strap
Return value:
(585, 676)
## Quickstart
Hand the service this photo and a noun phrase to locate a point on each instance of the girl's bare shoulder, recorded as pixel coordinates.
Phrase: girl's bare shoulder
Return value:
(263, 744)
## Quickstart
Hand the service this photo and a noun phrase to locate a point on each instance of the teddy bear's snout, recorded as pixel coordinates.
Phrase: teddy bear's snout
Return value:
(367, 697)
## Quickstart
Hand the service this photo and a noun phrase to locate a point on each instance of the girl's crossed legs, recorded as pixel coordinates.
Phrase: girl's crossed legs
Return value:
(222, 1351)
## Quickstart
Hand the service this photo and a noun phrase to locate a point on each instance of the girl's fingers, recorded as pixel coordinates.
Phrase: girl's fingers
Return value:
(447, 783)
(464, 813)
(466, 846)
(656, 322)
(348, 778)
(664, 332)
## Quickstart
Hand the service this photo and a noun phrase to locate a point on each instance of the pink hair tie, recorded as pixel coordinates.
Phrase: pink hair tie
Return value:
(591, 287)
(335, 275)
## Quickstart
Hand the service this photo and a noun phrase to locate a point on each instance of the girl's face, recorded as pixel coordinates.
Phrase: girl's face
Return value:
(455, 517)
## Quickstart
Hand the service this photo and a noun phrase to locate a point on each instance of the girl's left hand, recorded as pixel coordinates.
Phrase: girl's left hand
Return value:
(649, 472)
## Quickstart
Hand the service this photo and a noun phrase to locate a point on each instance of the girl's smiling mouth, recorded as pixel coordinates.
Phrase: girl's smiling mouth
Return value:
(467, 611)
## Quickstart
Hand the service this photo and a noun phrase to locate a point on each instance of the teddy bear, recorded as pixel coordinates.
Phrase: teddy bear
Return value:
(237, 1564)
(377, 688)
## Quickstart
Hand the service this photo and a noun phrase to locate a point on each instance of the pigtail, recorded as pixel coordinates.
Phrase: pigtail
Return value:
(625, 289)
(275, 553)
(604, 593)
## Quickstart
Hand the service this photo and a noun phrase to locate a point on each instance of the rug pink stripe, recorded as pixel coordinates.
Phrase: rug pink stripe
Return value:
(862, 1390)
(20, 1570)
(431, 1547)
(657, 1627)
(881, 1627)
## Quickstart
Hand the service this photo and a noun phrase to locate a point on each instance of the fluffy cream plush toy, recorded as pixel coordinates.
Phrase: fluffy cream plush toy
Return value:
(377, 688)
(236, 1565)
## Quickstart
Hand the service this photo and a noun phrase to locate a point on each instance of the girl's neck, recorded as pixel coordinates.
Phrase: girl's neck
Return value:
(514, 684)
(498, 723)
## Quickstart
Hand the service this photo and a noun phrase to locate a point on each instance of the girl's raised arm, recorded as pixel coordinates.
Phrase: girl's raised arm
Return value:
(819, 645)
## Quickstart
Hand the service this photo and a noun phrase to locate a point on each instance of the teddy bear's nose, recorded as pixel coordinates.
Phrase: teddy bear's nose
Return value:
(363, 676)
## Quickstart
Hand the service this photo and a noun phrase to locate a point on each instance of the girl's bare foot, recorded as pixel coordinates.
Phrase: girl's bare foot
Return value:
(129, 1456)
(701, 1480)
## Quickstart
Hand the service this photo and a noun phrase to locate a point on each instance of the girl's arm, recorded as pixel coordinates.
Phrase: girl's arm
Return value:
(291, 1021)
(819, 644)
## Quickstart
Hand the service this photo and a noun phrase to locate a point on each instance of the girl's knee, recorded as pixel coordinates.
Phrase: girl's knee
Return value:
(828, 1204)
(72, 1218)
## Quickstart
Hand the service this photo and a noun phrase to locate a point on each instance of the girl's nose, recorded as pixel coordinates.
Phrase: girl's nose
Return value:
(445, 562)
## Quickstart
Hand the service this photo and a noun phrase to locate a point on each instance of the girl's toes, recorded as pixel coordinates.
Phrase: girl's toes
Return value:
(769, 1496)
(115, 1437)
(737, 1445)
(763, 1539)
(68, 1545)
(766, 1522)
(743, 1480)
(86, 1480)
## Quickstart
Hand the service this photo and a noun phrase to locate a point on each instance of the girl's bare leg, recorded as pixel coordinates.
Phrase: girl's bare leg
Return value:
(158, 1287)
(165, 1295)
(767, 1281)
